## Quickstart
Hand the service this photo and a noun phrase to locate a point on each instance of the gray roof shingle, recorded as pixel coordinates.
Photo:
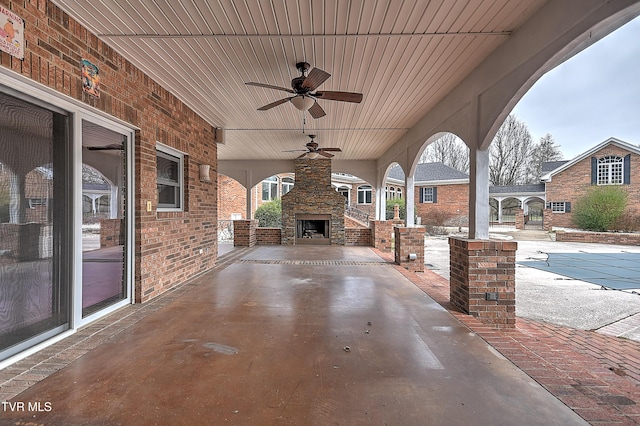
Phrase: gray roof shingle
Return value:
(548, 166)
(430, 172)
(516, 189)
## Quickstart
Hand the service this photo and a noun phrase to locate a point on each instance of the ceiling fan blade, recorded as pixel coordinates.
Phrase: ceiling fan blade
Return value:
(315, 78)
(340, 96)
(316, 111)
(324, 154)
(330, 149)
(274, 104)
(269, 86)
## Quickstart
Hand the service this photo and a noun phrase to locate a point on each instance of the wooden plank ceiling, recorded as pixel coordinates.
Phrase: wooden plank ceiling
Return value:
(404, 56)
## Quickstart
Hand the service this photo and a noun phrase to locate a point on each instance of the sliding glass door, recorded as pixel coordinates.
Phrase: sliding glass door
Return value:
(35, 223)
(65, 217)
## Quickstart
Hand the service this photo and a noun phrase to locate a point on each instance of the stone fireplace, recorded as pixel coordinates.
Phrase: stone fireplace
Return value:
(313, 212)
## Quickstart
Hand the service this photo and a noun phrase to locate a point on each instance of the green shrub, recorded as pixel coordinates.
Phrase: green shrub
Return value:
(600, 208)
(389, 208)
(269, 215)
(627, 222)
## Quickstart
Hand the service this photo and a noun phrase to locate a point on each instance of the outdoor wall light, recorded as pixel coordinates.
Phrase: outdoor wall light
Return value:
(413, 256)
(204, 173)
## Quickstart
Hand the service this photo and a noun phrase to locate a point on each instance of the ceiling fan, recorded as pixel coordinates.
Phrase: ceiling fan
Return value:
(313, 151)
(302, 88)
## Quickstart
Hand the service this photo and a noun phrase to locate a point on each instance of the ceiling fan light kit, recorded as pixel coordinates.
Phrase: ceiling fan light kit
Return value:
(312, 155)
(303, 103)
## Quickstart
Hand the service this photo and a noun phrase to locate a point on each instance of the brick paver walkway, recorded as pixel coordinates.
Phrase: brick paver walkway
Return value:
(596, 375)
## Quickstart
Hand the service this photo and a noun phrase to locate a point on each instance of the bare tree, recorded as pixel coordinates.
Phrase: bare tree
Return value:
(510, 153)
(450, 150)
(545, 150)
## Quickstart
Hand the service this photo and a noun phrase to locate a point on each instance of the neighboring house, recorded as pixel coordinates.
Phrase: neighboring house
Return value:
(441, 193)
(612, 162)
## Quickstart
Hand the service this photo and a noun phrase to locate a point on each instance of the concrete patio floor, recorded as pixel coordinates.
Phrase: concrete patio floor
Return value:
(282, 335)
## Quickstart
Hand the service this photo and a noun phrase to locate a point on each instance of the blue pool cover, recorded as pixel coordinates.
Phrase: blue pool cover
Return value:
(619, 271)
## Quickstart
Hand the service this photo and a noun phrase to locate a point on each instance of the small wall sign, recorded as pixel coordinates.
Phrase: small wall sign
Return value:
(11, 33)
(90, 78)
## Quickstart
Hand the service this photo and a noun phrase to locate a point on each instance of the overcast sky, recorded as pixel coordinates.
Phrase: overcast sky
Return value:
(591, 97)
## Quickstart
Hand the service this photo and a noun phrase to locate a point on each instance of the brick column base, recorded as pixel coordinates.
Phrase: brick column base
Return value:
(483, 279)
(520, 219)
(409, 242)
(381, 234)
(244, 233)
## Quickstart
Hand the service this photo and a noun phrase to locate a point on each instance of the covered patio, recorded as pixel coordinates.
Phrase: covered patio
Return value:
(313, 335)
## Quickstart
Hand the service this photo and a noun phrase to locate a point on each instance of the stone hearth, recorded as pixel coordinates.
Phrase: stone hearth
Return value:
(313, 212)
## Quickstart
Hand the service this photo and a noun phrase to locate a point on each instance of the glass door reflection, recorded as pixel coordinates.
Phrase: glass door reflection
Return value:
(103, 217)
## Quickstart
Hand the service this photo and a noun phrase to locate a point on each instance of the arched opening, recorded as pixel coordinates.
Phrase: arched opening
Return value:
(441, 182)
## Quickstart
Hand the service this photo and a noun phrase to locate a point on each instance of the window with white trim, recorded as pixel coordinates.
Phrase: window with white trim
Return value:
(610, 170)
(558, 207)
(287, 185)
(364, 194)
(170, 176)
(270, 188)
(427, 195)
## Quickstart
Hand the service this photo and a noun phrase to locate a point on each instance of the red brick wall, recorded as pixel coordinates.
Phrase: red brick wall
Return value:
(452, 199)
(357, 237)
(573, 183)
(232, 198)
(168, 245)
(268, 236)
(599, 237)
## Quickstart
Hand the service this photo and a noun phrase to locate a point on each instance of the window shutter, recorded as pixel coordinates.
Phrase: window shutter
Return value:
(421, 195)
(594, 170)
(567, 207)
(435, 194)
(627, 169)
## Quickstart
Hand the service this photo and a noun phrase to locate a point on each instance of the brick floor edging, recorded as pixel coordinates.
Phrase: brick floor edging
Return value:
(596, 375)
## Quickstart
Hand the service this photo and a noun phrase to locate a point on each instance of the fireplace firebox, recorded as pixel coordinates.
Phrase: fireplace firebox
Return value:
(313, 229)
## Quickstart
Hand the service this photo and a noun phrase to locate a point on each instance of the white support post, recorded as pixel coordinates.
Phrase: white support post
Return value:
(410, 201)
(479, 194)
(380, 210)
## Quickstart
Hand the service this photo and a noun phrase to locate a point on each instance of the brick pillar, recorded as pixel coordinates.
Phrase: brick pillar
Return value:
(410, 241)
(547, 219)
(244, 233)
(520, 219)
(381, 234)
(481, 272)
